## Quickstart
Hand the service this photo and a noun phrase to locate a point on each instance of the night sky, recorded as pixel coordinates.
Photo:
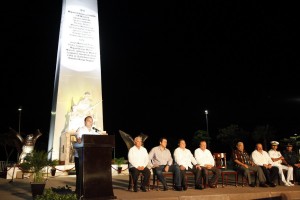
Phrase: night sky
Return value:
(163, 64)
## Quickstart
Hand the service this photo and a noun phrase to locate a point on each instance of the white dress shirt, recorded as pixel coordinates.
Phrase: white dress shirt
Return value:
(204, 157)
(261, 158)
(138, 157)
(83, 131)
(184, 157)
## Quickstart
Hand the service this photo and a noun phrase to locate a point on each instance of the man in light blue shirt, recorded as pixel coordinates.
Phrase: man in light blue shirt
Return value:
(162, 161)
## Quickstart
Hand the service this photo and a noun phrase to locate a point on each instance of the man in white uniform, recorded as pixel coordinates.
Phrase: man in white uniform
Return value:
(279, 161)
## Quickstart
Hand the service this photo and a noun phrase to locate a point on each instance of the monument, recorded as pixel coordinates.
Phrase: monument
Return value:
(77, 86)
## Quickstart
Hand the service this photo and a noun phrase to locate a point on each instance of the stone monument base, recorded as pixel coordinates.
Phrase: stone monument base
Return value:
(66, 154)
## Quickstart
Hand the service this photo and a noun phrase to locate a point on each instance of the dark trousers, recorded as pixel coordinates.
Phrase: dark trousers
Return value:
(214, 179)
(296, 174)
(173, 168)
(271, 174)
(198, 174)
(135, 176)
(246, 172)
(77, 173)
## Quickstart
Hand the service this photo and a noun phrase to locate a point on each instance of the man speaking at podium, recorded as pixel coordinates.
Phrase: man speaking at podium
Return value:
(86, 129)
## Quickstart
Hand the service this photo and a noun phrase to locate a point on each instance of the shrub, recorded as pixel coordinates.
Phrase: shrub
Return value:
(35, 162)
(119, 161)
(50, 194)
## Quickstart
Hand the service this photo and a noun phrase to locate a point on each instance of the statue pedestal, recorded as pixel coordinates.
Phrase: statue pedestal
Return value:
(66, 155)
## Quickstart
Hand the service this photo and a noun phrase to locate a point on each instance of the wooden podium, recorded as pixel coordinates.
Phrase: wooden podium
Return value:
(95, 154)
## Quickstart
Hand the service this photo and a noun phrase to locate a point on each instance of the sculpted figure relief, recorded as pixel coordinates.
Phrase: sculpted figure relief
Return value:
(84, 107)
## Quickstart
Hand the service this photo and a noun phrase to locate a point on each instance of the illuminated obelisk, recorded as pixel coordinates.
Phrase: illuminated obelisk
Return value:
(77, 87)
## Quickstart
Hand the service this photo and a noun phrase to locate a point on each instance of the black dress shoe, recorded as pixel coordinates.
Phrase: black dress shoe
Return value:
(263, 185)
(143, 189)
(199, 187)
(135, 189)
(272, 185)
(212, 186)
(184, 188)
(177, 188)
(252, 185)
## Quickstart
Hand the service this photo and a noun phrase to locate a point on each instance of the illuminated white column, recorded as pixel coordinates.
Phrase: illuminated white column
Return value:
(77, 87)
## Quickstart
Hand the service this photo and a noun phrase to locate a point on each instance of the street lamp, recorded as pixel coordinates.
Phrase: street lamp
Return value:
(206, 113)
(20, 110)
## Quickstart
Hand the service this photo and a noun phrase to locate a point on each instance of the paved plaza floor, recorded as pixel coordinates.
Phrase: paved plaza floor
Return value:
(20, 189)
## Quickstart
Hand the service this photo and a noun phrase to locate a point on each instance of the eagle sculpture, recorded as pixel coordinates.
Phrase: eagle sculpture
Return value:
(25, 145)
(128, 139)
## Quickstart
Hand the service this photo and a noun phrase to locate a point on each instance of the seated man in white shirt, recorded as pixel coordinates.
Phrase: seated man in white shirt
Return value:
(138, 160)
(279, 161)
(186, 161)
(205, 159)
(262, 159)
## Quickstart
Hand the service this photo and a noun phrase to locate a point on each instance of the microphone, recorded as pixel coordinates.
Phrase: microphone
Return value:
(96, 130)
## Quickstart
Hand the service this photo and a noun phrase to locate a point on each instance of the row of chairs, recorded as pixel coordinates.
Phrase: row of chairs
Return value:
(224, 177)
(221, 163)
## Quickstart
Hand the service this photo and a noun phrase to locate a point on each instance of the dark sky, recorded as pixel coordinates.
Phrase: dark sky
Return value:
(163, 64)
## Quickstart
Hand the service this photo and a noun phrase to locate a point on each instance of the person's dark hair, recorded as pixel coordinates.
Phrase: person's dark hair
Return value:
(87, 118)
(180, 140)
(161, 139)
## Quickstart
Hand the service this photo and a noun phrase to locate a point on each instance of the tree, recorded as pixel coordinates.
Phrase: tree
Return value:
(7, 142)
(199, 136)
(228, 136)
(294, 140)
(263, 134)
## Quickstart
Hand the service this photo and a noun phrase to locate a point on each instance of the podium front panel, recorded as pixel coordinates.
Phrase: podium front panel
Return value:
(95, 157)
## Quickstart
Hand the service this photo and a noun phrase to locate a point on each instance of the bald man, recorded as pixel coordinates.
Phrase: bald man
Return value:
(262, 159)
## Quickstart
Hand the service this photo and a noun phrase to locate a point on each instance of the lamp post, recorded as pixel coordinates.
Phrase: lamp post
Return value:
(206, 113)
(20, 110)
